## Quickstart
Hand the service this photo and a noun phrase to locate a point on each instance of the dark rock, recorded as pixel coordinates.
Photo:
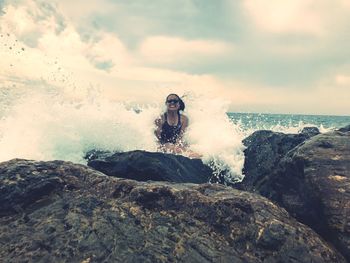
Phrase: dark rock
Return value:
(313, 183)
(345, 129)
(144, 166)
(310, 131)
(84, 216)
(264, 151)
(97, 154)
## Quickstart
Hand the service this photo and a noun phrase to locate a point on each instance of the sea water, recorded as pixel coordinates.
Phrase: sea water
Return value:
(289, 123)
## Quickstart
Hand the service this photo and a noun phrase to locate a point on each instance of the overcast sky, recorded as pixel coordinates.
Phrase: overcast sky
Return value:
(278, 56)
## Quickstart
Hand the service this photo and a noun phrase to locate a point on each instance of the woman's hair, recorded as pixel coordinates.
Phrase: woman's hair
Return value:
(182, 104)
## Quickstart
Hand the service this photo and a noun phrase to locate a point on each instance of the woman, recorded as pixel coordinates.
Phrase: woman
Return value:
(172, 125)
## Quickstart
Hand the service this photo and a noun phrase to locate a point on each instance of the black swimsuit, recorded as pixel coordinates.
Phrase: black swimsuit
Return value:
(170, 133)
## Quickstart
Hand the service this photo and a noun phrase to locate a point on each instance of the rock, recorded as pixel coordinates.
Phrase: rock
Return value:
(310, 131)
(313, 183)
(144, 166)
(97, 154)
(63, 212)
(264, 151)
(345, 129)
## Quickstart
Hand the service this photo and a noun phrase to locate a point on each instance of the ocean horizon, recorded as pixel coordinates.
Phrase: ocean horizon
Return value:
(287, 122)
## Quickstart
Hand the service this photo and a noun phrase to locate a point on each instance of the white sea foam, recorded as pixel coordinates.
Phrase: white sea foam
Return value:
(45, 122)
(49, 124)
(213, 135)
(298, 128)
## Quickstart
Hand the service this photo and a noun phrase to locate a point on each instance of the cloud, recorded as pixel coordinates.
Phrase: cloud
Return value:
(309, 17)
(77, 9)
(29, 20)
(170, 50)
(63, 58)
(327, 98)
(263, 71)
(343, 80)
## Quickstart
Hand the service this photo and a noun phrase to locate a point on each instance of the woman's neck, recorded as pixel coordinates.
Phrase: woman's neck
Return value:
(172, 113)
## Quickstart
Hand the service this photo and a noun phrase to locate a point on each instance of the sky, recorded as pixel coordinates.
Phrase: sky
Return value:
(271, 56)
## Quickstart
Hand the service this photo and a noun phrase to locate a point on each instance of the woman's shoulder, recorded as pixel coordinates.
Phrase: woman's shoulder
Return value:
(184, 118)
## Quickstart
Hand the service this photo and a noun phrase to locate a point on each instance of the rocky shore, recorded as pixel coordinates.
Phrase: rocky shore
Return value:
(292, 206)
(311, 180)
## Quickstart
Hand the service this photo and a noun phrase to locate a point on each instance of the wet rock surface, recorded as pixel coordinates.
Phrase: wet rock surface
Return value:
(312, 181)
(62, 212)
(264, 151)
(144, 166)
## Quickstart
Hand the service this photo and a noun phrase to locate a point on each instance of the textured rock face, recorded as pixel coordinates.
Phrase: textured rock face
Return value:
(264, 151)
(319, 186)
(313, 183)
(60, 212)
(144, 166)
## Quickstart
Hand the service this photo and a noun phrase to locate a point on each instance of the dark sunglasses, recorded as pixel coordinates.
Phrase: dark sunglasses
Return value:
(172, 101)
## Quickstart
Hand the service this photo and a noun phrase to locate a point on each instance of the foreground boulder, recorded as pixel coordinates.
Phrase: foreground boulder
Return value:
(144, 166)
(313, 183)
(62, 212)
(264, 151)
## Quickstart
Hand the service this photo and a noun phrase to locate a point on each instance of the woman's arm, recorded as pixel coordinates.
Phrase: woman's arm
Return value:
(184, 122)
(184, 125)
(158, 122)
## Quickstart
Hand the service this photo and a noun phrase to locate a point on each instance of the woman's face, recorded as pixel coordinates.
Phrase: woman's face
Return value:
(172, 103)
